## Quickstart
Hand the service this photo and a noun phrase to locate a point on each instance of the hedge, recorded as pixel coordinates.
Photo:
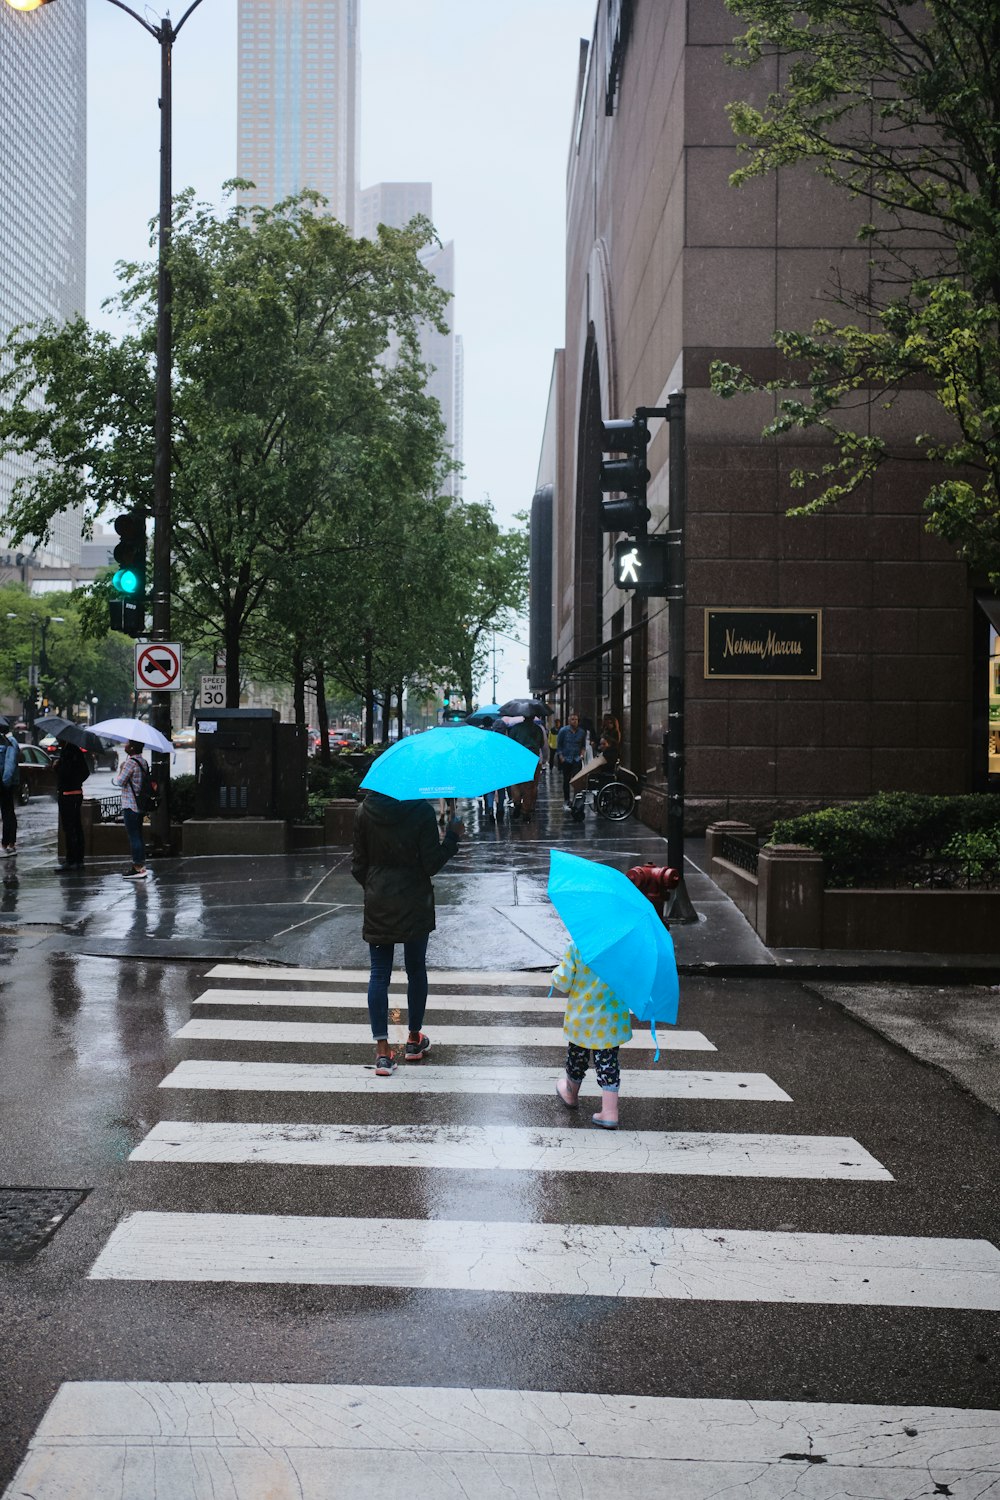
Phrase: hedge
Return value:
(885, 838)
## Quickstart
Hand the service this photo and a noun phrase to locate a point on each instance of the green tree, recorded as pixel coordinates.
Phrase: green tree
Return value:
(72, 667)
(487, 588)
(898, 105)
(282, 323)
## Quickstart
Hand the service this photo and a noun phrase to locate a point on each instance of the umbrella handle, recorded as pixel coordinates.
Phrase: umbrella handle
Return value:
(652, 1032)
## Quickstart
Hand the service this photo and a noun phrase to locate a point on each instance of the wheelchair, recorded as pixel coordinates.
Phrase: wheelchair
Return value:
(613, 794)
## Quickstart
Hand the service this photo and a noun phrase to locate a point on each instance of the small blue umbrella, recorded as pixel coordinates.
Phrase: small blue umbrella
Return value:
(484, 715)
(455, 762)
(619, 934)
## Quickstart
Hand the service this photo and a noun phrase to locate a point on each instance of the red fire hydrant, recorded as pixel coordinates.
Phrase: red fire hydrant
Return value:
(655, 882)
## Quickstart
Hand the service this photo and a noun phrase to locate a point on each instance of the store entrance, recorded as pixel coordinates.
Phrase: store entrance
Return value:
(986, 747)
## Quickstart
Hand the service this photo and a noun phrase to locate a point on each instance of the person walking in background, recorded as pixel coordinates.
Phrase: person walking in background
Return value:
(10, 780)
(596, 1021)
(569, 753)
(72, 771)
(531, 734)
(553, 737)
(396, 851)
(131, 775)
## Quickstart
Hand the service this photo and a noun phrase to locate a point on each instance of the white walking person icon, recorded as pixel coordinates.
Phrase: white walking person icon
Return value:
(629, 566)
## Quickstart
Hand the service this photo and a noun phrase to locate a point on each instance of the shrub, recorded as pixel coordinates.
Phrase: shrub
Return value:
(181, 798)
(884, 837)
(338, 779)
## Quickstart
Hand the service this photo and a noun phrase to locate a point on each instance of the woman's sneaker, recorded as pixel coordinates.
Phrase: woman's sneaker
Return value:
(385, 1064)
(134, 874)
(414, 1051)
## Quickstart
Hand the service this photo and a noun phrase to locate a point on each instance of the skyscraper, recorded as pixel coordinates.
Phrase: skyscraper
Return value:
(298, 101)
(43, 196)
(394, 204)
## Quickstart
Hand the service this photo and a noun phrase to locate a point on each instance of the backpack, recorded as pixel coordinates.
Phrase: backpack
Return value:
(147, 797)
(11, 769)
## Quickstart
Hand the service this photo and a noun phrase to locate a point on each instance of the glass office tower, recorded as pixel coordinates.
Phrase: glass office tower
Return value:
(43, 196)
(298, 101)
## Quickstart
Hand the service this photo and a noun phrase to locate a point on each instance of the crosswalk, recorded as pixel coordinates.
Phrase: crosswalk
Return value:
(268, 1108)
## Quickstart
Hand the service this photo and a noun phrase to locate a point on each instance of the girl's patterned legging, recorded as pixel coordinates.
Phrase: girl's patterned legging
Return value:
(605, 1061)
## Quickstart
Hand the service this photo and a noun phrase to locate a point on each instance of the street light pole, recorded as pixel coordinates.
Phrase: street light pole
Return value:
(165, 33)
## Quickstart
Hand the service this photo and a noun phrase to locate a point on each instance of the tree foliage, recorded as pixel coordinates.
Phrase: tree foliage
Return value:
(73, 668)
(898, 104)
(286, 411)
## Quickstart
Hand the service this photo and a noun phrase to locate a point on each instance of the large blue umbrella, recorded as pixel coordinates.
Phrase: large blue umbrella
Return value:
(620, 935)
(453, 762)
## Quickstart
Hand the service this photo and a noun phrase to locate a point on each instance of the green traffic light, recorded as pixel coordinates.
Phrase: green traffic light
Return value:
(126, 582)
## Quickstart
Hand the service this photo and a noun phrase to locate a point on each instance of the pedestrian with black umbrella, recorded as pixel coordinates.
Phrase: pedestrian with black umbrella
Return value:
(71, 772)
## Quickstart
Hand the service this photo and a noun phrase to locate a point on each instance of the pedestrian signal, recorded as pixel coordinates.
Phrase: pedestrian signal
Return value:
(641, 565)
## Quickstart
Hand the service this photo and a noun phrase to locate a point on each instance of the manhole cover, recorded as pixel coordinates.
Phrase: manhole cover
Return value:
(30, 1216)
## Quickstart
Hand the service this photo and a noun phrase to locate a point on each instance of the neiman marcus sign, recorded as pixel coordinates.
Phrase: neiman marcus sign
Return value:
(777, 643)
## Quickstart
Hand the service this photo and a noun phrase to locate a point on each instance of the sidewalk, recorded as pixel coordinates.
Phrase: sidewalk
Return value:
(305, 909)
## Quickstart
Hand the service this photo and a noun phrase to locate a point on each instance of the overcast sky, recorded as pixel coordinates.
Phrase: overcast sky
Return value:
(475, 97)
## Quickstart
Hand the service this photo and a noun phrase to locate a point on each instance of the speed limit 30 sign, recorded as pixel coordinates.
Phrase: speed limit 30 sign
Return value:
(213, 692)
(158, 667)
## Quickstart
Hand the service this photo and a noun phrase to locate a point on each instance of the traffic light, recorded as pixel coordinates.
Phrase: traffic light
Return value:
(447, 700)
(129, 578)
(625, 477)
(128, 607)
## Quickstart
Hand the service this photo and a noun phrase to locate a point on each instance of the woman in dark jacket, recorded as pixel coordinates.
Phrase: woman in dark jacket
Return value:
(396, 851)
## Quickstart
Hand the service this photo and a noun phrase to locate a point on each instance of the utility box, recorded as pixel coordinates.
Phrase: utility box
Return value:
(235, 762)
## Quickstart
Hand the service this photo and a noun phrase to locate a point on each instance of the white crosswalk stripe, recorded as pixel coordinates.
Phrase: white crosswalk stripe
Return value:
(429, 1078)
(513, 1148)
(590, 1260)
(251, 1441)
(355, 999)
(328, 1032)
(439, 978)
(315, 1441)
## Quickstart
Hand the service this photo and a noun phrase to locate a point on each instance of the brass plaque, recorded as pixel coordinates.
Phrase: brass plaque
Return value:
(782, 644)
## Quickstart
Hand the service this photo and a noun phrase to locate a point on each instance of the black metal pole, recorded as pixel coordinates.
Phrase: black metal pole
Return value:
(681, 909)
(160, 711)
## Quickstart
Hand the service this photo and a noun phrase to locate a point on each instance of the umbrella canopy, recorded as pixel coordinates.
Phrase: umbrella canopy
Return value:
(131, 729)
(528, 708)
(619, 934)
(68, 732)
(484, 715)
(76, 734)
(458, 762)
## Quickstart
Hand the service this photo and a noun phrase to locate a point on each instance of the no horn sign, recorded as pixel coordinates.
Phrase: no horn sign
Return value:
(158, 667)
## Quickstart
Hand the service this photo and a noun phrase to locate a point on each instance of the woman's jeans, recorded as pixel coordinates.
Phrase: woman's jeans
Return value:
(415, 960)
(133, 827)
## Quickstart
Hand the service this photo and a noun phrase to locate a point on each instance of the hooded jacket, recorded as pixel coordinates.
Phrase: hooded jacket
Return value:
(396, 851)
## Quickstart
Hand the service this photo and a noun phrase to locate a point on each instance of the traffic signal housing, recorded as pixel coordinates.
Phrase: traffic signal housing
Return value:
(128, 582)
(129, 579)
(625, 477)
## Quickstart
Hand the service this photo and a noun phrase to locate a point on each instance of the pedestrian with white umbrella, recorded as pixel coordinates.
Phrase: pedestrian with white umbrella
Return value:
(138, 791)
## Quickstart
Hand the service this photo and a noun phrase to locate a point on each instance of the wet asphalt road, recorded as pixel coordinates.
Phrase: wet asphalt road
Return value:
(86, 1039)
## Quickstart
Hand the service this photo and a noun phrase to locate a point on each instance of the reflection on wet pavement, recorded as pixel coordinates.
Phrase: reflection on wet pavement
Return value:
(492, 911)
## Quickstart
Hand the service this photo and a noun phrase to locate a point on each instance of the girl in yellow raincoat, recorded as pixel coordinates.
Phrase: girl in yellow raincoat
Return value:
(596, 1021)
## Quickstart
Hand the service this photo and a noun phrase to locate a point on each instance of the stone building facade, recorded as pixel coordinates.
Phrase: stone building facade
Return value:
(668, 267)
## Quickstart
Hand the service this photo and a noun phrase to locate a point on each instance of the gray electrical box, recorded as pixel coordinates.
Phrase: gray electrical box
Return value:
(235, 762)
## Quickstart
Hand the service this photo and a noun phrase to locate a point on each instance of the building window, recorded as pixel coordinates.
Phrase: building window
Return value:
(619, 25)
